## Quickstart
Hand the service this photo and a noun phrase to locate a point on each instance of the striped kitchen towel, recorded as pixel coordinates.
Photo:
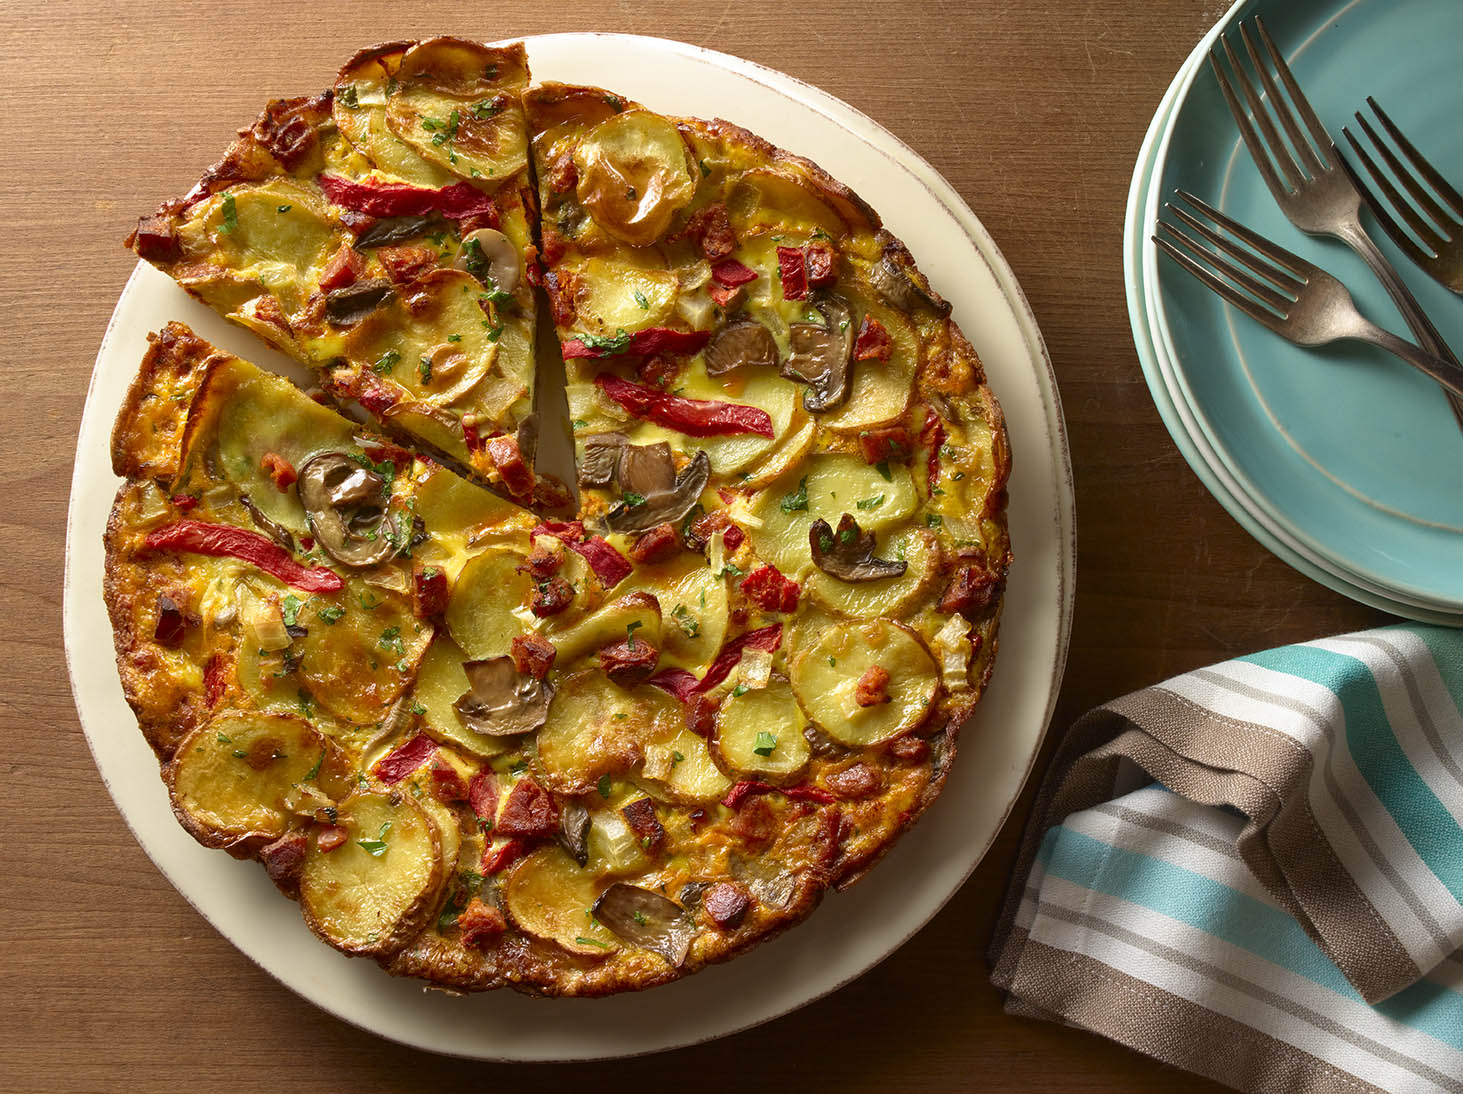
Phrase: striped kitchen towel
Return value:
(1254, 871)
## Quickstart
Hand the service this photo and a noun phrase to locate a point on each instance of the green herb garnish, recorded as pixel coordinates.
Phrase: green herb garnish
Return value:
(766, 742)
(386, 362)
(231, 214)
(871, 503)
(798, 499)
(376, 847)
(604, 787)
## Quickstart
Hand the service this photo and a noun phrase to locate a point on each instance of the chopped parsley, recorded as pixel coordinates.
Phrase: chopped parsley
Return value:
(607, 345)
(305, 703)
(454, 338)
(425, 368)
(733, 569)
(686, 621)
(632, 500)
(766, 742)
(316, 769)
(593, 942)
(739, 691)
(677, 757)
(418, 709)
(640, 299)
(331, 613)
(832, 662)
(476, 262)
(933, 520)
(630, 629)
(705, 171)
(798, 499)
(376, 847)
(580, 423)
(225, 739)
(639, 917)
(486, 109)
(871, 503)
(283, 208)
(391, 640)
(615, 102)
(348, 96)
(289, 609)
(231, 214)
(882, 467)
(442, 131)
(604, 787)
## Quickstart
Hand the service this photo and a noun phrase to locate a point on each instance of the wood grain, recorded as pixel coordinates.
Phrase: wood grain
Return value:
(1033, 111)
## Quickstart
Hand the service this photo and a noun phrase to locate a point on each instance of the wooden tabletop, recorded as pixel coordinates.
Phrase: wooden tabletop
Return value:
(1034, 112)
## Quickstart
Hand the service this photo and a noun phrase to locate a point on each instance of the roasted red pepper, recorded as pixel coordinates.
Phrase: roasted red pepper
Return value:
(224, 540)
(933, 435)
(608, 564)
(460, 201)
(693, 417)
(873, 343)
(747, 787)
(640, 344)
(482, 795)
(568, 531)
(771, 590)
(683, 685)
(793, 269)
(732, 273)
(398, 764)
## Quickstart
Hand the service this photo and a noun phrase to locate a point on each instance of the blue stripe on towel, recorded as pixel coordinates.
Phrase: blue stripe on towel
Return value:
(1236, 918)
(1428, 826)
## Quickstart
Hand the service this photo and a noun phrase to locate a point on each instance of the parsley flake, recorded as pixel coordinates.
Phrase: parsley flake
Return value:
(798, 499)
(230, 213)
(766, 742)
(871, 503)
(376, 847)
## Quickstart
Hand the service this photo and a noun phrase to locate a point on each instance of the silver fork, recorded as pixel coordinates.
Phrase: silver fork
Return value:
(1438, 228)
(1294, 298)
(1307, 178)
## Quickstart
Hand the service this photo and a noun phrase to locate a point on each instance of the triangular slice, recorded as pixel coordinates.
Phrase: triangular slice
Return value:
(379, 233)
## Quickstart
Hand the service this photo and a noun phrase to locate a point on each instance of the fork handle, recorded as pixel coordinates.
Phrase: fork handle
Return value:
(1355, 236)
(1439, 368)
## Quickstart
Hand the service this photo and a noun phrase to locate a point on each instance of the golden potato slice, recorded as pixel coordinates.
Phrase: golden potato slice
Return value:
(596, 728)
(788, 453)
(230, 779)
(880, 390)
(637, 614)
(360, 650)
(766, 200)
(635, 173)
(760, 733)
(440, 682)
(480, 614)
(825, 674)
(829, 485)
(681, 769)
(624, 295)
(449, 104)
(888, 596)
(276, 233)
(549, 896)
(375, 892)
(694, 611)
(359, 109)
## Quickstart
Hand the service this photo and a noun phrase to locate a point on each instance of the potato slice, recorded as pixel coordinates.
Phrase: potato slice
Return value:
(276, 233)
(480, 614)
(375, 892)
(595, 728)
(888, 596)
(637, 614)
(760, 733)
(360, 650)
(681, 769)
(694, 612)
(825, 674)
(766, 200)
(231, 777)
(635, 173)
(454, 512)
(449, 104)
(549, 896)
(360, 114)
(440, 682)
(624, 295)
(787, 455)
(880, 390)
(834, 483)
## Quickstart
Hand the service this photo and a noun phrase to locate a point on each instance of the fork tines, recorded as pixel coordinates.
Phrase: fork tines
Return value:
(1301, 158)
(1242, 254)
(1435, 212)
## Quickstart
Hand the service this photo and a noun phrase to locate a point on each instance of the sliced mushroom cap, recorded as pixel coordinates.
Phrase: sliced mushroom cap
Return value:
(822, 354)
(348, 306)
(393, 230)
(848, 554)
(742, 343)
(500, 701)
(904, 286)
(646, 919)
(490, 257)
(277, 532)
(663, 505)
(345, 504)
(646, 469)
(600, 459)
(574, 831)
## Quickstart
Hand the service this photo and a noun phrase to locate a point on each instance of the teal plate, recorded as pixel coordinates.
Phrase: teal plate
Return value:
(1348, 453)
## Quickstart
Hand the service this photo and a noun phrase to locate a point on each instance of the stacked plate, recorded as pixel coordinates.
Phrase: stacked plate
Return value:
(1344, 462)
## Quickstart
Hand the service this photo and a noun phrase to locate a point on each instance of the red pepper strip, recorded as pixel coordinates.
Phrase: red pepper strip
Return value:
(459, 201)
(215, 678)
(608, 564)
(397, 765)
(683, 685)
(570, 531)
(505, 854)
(482, 794)
(643, 343)
(184, 501)
(219, 540)
(732, 273)
(693, 417)
(747, 787)
(933, 434)
(792, 268)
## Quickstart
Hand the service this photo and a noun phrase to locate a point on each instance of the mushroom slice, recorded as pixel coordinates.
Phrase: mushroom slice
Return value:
(646, 469)
(742, 343)
(574, 831)
(277, 532)
(490, 257)
(848, 554)
(822, 354)
(661, 505)
(647, 920)
(345, 504)
(389, 230)
(500, 701)
(600, 458)
(348, 306)
(903, 285)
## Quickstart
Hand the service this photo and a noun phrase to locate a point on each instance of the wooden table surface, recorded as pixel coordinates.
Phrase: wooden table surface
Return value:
(1034, 111)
